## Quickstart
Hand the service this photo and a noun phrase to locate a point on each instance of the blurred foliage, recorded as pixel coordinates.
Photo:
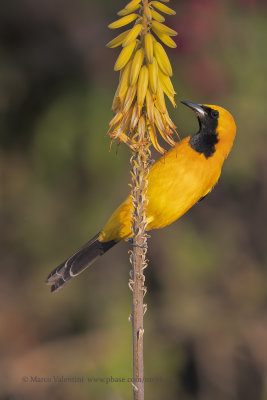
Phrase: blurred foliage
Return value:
(206, 323)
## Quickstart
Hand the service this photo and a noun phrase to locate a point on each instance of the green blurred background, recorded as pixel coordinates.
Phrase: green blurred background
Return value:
(206, 325)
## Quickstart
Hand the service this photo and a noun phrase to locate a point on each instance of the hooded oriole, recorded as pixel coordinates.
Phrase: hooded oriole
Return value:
(177, 181)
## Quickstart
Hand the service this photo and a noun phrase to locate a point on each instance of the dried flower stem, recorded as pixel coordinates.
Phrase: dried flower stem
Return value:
(140, 163)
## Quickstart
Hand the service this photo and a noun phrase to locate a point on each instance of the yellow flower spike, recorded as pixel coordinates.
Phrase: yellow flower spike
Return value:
(132, 35)
(171, 98)
(123, 21)
(144, 77)
(162, 129)
(124, 56)
(118, 40)
(116, 119)
(157, 16)
(160, 100)
(166, 83)
(132, 3)
(159, 121)
(149, 47)
(121, 127)
(142, 86)
(170, 95)
(169, 121)
(153, 75)
(142, 127)
(114, 133)
(134, 119)
(116, 103)
(136, 66)
(126, 120)
(165, 39)
(147, 12)
(150, 106)
(162, 59)
(170, 141)
(161, 7)
(153, 136)
(124, 138)
(129, 98)
(124, 81)
(163, 28)
(127, 11)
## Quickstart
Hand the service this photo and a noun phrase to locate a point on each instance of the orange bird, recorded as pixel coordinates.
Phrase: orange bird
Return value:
(177, 181)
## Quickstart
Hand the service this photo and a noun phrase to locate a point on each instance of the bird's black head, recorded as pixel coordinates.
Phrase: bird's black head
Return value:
(205, 139)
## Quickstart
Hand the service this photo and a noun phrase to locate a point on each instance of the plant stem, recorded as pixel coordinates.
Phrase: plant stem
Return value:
(140, 162)
(140, 166)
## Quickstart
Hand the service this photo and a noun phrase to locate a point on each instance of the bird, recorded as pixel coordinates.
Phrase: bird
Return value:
(182, 177)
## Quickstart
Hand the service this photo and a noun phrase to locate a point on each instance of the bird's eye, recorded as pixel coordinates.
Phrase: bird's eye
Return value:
(214, 114)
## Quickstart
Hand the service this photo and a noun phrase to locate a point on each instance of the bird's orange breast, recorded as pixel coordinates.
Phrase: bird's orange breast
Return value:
(175, 183)
(178, 182)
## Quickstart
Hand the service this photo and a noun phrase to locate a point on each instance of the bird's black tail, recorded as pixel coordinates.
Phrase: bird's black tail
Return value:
(77, 263)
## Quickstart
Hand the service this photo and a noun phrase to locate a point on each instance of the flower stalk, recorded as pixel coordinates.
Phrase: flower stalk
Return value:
(140, 115)
(140, 164)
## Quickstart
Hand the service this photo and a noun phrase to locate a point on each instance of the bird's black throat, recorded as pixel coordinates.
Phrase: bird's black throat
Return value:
(203, 143)
(205, 139)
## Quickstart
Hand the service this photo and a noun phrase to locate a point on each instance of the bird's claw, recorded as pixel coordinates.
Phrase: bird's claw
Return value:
(142, 246)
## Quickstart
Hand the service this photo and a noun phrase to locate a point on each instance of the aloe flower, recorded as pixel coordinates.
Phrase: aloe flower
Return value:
(145, 72)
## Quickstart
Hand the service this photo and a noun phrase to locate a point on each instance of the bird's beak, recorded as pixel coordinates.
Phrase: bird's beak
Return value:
(196, 107)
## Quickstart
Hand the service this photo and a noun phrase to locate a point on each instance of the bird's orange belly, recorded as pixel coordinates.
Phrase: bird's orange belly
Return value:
(174, 186)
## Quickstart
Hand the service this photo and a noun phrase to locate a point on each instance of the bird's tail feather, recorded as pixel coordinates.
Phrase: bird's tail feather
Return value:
(77, 263)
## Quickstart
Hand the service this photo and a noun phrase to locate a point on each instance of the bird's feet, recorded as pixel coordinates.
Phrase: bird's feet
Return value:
(142, 245)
